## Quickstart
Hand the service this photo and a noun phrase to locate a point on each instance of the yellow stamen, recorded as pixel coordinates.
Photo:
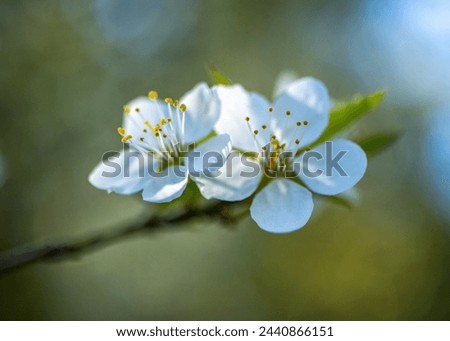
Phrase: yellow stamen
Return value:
(126, 109)
(270, 109)
(121, 131)
(305, 123)
(273, 160)
(126, 138)
(183, 107)
(153, 95)
(247, 118)
(299, 124)
(169, 100)
(147, 123)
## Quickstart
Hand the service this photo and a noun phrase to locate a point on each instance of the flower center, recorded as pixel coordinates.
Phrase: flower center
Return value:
(165, 136)
(278, 140)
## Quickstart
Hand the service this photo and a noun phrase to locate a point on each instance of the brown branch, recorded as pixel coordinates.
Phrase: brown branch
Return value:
(18, 258)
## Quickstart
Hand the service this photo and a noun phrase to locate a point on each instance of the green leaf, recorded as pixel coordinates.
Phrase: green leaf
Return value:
(376, 143)
(217, 76)
(345, 113)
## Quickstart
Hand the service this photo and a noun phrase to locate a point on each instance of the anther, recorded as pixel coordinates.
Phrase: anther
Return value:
(264, 126)
(121, 131)
(142, 139)
(126, 138)
(183, 107)
(164, 135)
(270, 109)
(299, 124)
(168, 100)
(288, 113)
(145, 130)
(297, 141)
(147, 123)
(305, 123)
(137, 109)
(126, 109)
(247, 118)
(153, 95)
(255, 132)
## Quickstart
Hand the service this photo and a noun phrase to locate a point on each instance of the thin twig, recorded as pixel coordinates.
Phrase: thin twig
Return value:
(17, 258)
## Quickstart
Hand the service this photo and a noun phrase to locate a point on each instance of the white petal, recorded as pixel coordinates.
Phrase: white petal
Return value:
(284, 79)
(235, 105)
(307, 100)
(333, 180)
(203, 109)
(238, 179)
(167, 186)
(143, 109)
(125, 173)
(282, 206)
(210, 155)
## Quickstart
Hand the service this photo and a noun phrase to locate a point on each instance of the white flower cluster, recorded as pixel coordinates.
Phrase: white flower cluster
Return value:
(256, 147)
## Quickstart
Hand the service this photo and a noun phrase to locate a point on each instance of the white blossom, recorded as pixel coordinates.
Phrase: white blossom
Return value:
(164, 136)
(295, 120)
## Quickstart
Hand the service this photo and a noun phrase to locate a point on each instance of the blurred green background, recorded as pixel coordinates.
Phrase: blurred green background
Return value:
(67, 67)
